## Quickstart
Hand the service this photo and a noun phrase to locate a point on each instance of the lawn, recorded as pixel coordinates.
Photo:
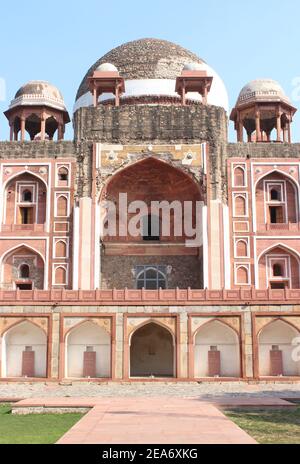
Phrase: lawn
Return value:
(269, 426)
(33, 428)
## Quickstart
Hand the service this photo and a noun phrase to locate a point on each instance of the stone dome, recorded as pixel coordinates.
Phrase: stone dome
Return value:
(150, 67)
(106, 67)
(39, 93)
(263, 90)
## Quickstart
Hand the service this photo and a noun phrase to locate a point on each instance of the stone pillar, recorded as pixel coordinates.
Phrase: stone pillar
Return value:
(248, 358)
(278, 127)
(289, 132)
(204, 98)
(117, 96)
(183, 345)
(240, 128)
(11, 135)
(183, 94)
(119, 346)
(257, 126)
(22, 129)
(95, 97)
(54, 371)
(60, 132)
(43, 127)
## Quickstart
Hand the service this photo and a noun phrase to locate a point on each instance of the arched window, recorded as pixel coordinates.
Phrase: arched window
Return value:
(240, 206)
(242, 275)
(27, 196)
(63, 174)
(60, 249)
(277, 270)
(239, 177)
(151, 228)
(24, 271)
(151, 278)
(241, 248)
(62, 206)
(60, 276)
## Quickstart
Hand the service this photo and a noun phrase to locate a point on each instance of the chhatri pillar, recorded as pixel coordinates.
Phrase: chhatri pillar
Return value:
(261, 109)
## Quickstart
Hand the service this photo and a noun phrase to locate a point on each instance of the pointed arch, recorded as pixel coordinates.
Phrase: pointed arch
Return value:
(289, 260)
(137, 163)
(277, 171)
(239, 176)
(9, 203)
(215, 319)
(30, 249)
(60, 275)
(87, 337)
(217, 350)
(284, 211)
(61, 249)
(241, 248)
(280, 245)
(62, 205)
(152, 351)
(275, 349)
(20, 173)
(24, 350)
(151, 321)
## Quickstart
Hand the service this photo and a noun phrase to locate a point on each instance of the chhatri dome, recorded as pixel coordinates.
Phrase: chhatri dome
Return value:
(265, 90)
(150, 68)
(39, 93)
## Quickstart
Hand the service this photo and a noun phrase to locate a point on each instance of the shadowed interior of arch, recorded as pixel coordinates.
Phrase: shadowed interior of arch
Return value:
(152, 352)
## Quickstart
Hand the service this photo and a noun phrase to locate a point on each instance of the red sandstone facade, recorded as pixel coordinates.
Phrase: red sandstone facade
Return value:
(77, 303)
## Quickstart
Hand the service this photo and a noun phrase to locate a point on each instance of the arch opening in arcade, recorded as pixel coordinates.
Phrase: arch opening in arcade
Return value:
(152, 352)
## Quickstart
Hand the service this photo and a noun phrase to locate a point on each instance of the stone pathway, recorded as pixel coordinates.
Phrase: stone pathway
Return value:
(162, 420)
(140, 421)
(136, 413)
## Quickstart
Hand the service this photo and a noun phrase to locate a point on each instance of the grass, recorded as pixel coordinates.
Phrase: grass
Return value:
(269, 426)
(34, 428)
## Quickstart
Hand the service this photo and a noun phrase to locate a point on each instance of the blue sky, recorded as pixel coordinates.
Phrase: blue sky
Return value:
(58, 40)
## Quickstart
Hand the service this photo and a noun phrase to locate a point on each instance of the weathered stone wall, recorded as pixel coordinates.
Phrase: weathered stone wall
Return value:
(117, 270)
(263, 150)
(37, 149)
(157, 124)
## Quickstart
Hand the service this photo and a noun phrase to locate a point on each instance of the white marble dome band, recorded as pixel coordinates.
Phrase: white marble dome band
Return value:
(164, 87)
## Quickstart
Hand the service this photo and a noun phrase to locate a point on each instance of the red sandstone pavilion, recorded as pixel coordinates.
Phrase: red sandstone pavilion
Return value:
(150, 120)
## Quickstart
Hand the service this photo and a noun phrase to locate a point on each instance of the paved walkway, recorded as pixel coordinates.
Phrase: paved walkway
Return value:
(159, 421)
(141, 420)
